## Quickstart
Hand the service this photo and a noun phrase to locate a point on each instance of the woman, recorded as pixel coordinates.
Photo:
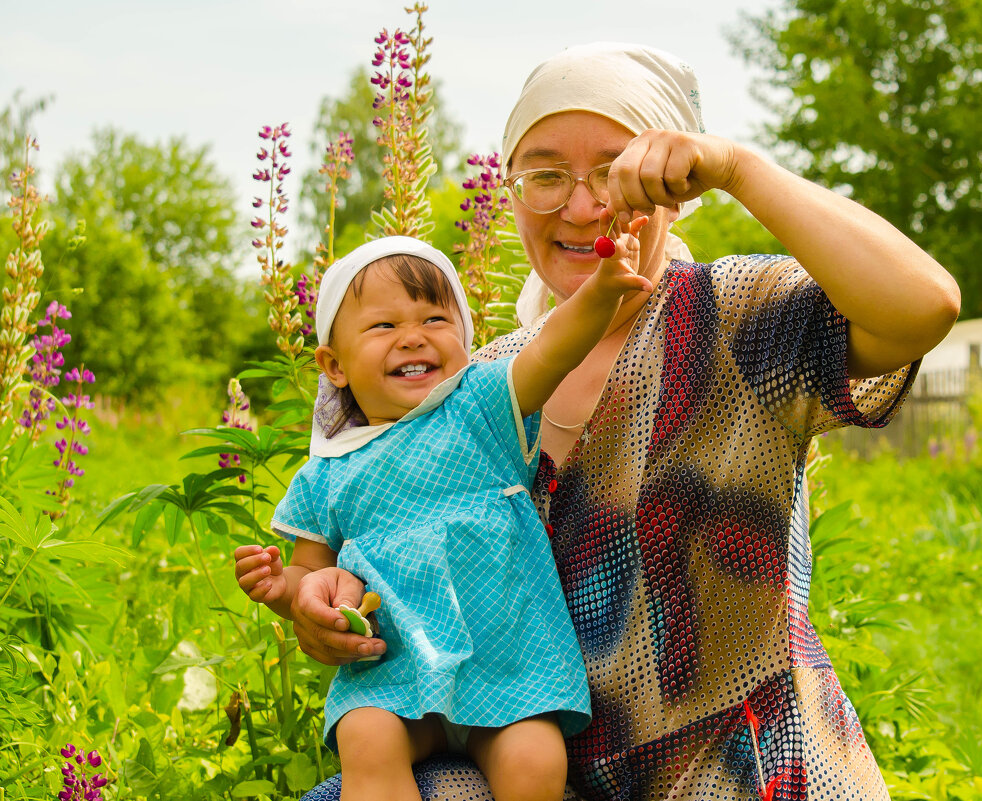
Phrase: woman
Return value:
(676, 491)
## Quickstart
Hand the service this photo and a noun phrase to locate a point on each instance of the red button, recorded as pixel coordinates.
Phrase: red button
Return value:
(552, 486)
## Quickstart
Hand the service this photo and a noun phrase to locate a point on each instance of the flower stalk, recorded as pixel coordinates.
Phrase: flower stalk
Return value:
(283, 318)
(20, 294)
(404, 101)
(487, 204)
(338, 157)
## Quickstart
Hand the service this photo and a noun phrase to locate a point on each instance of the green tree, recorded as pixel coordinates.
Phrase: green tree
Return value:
(722, 227)
(178, 210)
(16, 123)
(881, 99)
(181, 210)
(353, 113)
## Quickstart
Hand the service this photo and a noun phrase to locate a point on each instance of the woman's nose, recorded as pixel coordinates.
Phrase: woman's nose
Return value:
(582, 207)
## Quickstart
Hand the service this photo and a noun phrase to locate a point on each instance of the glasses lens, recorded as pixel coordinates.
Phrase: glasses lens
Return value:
(597, 181)
(544, 190)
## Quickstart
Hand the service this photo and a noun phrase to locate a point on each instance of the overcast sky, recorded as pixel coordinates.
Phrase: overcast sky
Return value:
(215, 70)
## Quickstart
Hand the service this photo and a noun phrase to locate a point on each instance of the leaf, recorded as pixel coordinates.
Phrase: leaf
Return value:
(253, 787)
(301, 773)
(173, 520)
(87, 551)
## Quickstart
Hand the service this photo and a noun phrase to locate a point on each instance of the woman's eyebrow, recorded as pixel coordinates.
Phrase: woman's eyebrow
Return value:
(554, 155)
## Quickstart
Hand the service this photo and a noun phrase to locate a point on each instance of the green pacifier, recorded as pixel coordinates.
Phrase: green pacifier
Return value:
(358, 618)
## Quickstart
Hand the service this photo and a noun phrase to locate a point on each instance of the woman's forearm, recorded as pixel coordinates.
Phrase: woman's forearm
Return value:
(899, 301)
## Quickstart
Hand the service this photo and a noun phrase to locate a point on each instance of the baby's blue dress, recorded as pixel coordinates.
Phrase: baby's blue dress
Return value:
(433, 513)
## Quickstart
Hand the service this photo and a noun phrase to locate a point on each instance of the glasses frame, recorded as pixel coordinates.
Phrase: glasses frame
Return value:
(578, 177)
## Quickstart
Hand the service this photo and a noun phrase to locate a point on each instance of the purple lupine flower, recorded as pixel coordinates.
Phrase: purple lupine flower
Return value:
(76, 784)
(46, 364)
(237, 402)
(70, 447)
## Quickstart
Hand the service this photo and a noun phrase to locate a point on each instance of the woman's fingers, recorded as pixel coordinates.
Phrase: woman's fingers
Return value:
(665, 168)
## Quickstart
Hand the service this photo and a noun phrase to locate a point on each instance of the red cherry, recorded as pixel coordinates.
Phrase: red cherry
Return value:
(604, 246)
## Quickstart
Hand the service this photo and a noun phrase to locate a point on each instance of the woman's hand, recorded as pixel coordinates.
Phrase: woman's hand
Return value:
(666, 168)
(322, 631)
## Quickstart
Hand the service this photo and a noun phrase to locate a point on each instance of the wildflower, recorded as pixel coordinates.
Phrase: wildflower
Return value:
(45, 373)
(237, 402)
(404, 101)
(338, 157)
(69, 446)
(488, 204)
(77, 785)
(20, 295)
(282, 317)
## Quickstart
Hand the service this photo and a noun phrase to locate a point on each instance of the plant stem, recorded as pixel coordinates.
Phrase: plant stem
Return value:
(17, 578)
(211, 582)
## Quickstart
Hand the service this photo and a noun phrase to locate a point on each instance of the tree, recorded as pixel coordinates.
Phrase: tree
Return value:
(180, 211)
(16, 124)
(353, 114)
(881, 99)
(722, 227)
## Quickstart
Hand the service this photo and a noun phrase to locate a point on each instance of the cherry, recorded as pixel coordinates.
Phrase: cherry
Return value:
(604, 247)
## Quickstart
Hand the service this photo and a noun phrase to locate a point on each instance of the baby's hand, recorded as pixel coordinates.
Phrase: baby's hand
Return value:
(620, 259)
(260, 572)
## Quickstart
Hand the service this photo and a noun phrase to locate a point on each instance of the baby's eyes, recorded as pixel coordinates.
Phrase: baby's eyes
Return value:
(439, 318)
(383, 325)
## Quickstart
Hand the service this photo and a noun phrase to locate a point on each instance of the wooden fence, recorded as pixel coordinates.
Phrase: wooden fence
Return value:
(935, 417)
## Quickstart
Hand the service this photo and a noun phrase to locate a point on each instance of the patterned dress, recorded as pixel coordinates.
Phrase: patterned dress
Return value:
(680, 527)
(435, 516)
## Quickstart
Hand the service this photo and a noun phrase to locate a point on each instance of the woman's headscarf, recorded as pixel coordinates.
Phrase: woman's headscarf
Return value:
(636, 86)
(333, 287)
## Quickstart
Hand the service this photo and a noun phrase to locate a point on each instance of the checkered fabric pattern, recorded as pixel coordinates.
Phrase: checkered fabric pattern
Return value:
(472, 613)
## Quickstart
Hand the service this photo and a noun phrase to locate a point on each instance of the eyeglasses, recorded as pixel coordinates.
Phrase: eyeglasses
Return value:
(547, 189)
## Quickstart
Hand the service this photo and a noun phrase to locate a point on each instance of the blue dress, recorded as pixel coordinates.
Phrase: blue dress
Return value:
(433, 513)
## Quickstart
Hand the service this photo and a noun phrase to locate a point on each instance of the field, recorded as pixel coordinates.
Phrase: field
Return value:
(156, 662)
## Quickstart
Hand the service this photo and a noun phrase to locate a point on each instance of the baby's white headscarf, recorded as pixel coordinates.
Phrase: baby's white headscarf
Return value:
(333, 287)
(636, 86)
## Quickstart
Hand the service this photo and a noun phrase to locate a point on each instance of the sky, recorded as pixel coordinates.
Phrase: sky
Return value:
(214, 71)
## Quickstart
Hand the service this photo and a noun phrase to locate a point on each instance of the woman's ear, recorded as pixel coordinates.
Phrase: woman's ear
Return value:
(330, 365)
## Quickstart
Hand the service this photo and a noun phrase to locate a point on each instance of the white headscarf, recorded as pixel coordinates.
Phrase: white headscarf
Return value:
(334, 286)
(636, 86)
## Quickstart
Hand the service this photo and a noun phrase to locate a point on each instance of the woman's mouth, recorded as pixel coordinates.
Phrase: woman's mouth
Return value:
(573, 248)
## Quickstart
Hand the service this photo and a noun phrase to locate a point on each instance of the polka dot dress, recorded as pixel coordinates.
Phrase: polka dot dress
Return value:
(679, 524)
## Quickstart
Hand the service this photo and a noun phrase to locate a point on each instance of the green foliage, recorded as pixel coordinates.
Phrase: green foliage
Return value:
(722, 227)
(882, 100)
(169, 202)
(16, 124)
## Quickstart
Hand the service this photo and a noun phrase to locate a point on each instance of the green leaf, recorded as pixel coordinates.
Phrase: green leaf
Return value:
(301, 773)
(173, 520)
(253, 787)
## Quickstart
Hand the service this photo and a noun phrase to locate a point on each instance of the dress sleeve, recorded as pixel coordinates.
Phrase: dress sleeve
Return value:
(790, 346)
(489, 387)
(305, 510)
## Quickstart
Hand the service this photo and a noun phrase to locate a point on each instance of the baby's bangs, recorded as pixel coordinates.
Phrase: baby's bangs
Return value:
(421, 279)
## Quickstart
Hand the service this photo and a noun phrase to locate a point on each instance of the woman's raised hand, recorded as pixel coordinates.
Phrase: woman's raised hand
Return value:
(666, 168)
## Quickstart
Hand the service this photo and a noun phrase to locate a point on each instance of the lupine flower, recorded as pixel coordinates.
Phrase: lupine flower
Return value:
(338, 157)
(46, 364)
(404, 102)
(69, 446)
(283, 318)
(237, 403)
(20, 295)
(488, 204)
(77, 785)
